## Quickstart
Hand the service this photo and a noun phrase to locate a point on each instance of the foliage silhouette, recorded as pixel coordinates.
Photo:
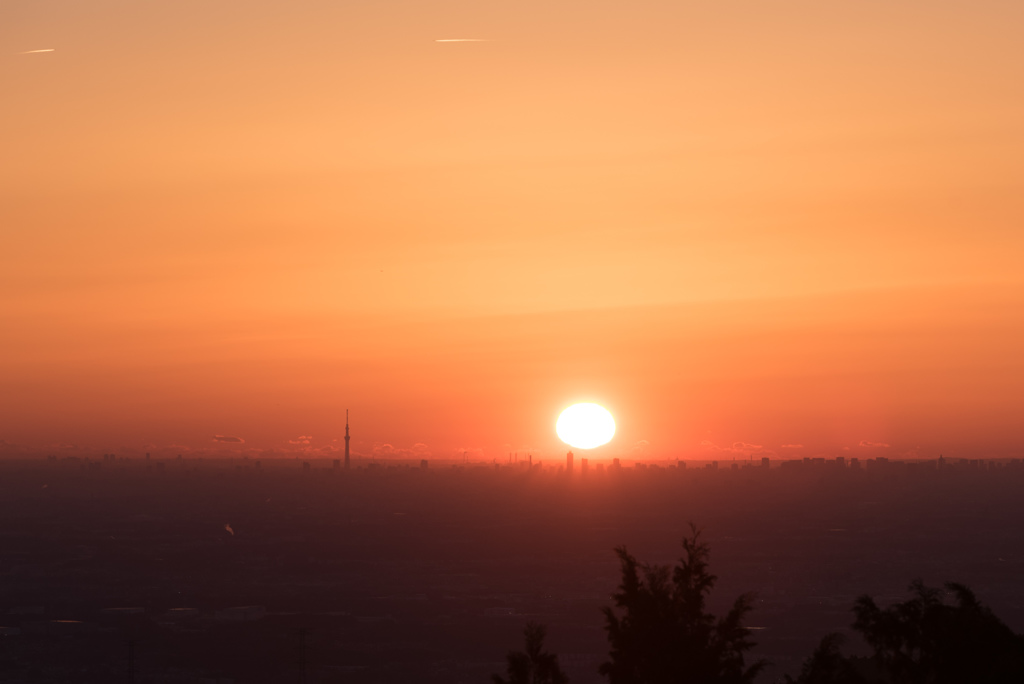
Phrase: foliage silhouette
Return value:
(665, 634)
(828, 666)
(923, 640)
(926, 640)
(533, 666)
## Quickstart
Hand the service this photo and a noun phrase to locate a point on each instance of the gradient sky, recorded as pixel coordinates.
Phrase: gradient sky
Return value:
(747, 228)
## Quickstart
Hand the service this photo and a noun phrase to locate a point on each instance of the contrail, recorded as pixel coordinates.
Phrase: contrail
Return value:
(29, 52)
(463, 40)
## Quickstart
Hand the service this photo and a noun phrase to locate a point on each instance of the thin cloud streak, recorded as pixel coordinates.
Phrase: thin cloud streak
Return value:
(31, 52)
(463, 40)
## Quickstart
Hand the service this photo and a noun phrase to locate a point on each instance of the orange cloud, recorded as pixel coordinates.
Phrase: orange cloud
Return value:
(737, 448)
(418, 450)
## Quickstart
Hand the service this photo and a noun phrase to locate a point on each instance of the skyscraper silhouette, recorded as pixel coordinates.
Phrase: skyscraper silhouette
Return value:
(347, 438)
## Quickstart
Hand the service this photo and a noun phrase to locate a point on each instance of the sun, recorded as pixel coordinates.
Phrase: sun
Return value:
(585, 426)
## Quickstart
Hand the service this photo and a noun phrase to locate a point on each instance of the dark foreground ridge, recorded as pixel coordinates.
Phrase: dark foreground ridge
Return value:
(213, 569)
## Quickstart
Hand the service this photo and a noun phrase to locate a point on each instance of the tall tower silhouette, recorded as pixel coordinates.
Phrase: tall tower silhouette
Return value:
(347, 438)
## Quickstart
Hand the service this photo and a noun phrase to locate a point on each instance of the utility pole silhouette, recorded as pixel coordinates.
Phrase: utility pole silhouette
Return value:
(302, 655)
(131, 662)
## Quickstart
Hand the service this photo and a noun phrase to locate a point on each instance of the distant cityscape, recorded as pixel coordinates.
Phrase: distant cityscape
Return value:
(426, 570)
(876, 464)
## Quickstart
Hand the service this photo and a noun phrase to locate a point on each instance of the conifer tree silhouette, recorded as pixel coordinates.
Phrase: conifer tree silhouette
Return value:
(534, 665)
(660, 631)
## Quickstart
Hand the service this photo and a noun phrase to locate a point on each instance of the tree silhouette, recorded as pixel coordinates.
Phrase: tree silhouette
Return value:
(534, 666)
(923, 640)
(928, 641)
(828, 666)
(665, 634)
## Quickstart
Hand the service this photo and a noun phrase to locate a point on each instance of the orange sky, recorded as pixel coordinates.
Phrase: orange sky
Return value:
(738, 225)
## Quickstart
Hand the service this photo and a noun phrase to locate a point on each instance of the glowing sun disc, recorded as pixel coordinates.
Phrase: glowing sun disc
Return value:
(585, 426)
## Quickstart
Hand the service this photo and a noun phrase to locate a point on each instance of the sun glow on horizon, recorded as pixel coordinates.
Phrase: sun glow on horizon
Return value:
(585, 426)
